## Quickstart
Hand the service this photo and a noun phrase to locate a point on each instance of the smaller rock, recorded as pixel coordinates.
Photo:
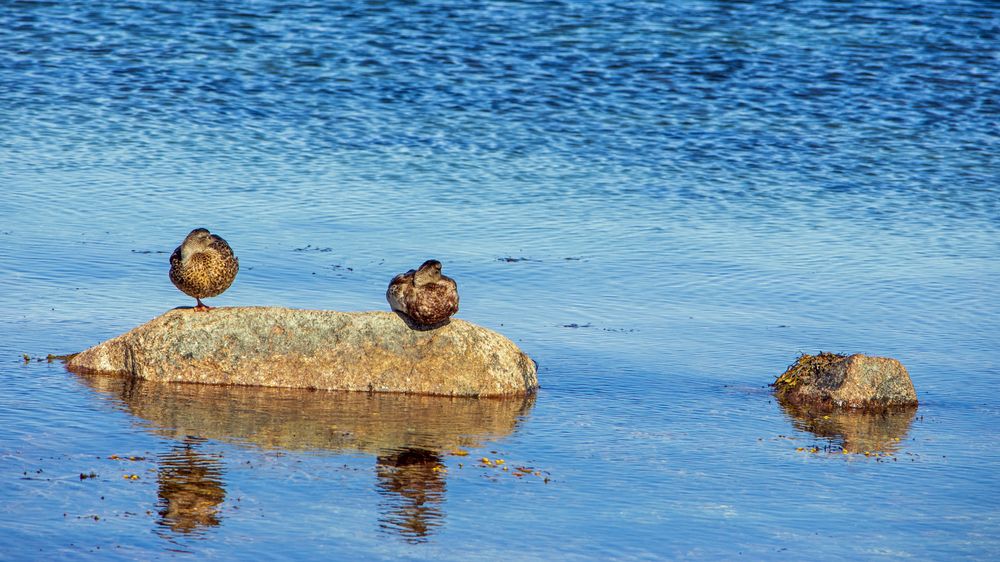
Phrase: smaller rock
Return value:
(830, 380)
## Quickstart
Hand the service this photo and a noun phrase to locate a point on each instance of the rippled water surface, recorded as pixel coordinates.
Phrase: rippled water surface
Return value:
(663, 203)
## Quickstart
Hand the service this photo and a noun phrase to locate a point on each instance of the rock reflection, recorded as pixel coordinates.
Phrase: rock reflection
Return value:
(190, 488)
(855, 431)
(408, 436)
(412, 485)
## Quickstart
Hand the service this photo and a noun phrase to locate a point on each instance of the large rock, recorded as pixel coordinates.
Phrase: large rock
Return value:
(829, 380)
(317, 349)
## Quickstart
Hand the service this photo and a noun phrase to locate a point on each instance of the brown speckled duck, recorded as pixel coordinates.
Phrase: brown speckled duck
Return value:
(425, 296)
(203, 266)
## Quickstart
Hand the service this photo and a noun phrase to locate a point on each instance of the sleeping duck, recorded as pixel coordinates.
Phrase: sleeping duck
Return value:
(203, 266)
(424, 296)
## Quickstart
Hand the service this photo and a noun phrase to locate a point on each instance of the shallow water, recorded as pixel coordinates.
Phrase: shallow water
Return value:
(661, 203)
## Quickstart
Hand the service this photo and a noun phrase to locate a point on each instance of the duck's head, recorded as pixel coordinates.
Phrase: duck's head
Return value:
(196, 241)
(429, 272)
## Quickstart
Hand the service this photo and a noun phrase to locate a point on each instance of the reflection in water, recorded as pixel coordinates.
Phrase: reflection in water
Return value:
(299, 419)
(855, 431)
(190, 488)
(408, 435)
(412, 484)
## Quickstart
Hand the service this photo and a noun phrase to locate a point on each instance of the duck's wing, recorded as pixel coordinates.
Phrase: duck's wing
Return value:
(224, 259)
(452, 289)
(175, 258)
(222, 247)
(396, 292)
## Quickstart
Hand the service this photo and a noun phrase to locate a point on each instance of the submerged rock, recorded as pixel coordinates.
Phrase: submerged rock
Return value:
(317, 349)
(829, 380)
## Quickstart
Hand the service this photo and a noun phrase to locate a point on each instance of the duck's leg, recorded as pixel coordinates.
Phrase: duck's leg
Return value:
(201, 306)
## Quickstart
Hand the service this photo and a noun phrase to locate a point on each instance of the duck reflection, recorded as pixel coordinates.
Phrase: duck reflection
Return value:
(190, 487)
(855, 431)
(412, 486)
(407, 435)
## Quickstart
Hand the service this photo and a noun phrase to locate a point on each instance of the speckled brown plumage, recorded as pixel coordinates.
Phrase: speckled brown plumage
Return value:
(424, 295)
(203, 266)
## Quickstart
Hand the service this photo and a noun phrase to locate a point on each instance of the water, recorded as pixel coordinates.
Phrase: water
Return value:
(661, 203)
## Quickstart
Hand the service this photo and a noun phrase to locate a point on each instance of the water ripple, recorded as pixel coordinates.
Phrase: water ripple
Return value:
(659, 201)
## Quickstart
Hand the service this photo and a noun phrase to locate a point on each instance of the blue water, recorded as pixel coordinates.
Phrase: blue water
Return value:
(663, 203)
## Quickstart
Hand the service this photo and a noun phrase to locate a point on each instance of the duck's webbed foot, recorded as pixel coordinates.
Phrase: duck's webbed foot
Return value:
(201, 307)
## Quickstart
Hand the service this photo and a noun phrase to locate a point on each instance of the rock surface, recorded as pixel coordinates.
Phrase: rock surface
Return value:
(317, 349)
(858, 381)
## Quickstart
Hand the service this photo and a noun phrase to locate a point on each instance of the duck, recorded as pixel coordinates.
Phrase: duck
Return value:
(203, 266)
(424, 295)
